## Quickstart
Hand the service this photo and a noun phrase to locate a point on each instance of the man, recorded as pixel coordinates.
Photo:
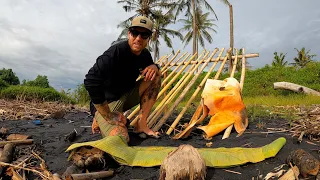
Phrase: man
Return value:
(112, 85)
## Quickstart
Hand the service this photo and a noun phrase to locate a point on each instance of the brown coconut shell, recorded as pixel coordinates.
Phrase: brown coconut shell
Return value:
(185, 162)
(306, 163)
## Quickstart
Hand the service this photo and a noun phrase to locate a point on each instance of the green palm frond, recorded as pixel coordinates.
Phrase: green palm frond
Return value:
(303, 58)
(204, 25)
(278, 60)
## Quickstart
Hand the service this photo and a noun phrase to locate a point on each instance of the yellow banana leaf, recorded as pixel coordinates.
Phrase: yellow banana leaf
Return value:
(154, 155)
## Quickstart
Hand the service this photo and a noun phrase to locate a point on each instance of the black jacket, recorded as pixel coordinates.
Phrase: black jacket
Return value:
(115, 72)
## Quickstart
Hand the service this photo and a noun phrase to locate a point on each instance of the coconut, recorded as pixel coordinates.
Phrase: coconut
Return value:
(185, 162)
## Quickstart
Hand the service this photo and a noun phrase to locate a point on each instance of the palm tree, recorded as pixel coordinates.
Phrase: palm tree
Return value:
(201, 29)
(160, 31)
(125, 27)
(151, 9)
(278, 60)
(303, 58)
(191, 6)
(226, 2)
(144, 7)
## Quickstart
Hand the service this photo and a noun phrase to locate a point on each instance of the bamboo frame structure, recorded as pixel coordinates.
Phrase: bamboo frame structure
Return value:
(164, 89)
(176, 121)
(177, 101)
(166, 79)
(176, 90)
(174, 96)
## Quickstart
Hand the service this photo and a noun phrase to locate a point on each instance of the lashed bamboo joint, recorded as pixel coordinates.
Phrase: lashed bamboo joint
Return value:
(189, 70)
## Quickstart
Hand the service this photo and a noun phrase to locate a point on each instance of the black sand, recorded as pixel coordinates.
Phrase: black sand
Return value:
(50, 138)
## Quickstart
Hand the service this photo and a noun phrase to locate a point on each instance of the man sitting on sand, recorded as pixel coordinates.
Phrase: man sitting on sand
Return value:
(112, 85)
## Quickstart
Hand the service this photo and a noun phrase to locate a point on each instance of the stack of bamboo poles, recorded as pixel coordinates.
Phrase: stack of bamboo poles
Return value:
(172, 98)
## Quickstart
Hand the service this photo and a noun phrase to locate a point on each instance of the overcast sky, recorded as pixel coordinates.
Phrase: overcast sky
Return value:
(62, 39)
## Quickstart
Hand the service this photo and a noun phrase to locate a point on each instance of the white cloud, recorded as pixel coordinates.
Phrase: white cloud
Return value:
(62, 39)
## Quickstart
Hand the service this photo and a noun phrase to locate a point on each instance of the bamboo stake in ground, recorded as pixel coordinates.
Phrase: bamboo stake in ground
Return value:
(227, 132)
(234, 64)
(176, 121)
(186, 89)
(176, 90)
(163, 89)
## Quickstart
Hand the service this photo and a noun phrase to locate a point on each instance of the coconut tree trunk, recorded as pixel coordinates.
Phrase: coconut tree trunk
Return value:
(231, 35)
(155, 55)
(194, 27)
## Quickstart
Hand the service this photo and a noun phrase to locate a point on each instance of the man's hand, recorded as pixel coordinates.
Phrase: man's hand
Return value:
(150, 72)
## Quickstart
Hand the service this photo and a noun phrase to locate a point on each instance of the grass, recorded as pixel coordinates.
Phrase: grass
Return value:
(291, 100)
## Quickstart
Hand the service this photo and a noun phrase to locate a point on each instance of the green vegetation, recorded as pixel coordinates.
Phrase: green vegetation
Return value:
(34, 93)
(258, 93)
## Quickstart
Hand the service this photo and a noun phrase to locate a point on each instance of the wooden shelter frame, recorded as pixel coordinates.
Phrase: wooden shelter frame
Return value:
(189, 77)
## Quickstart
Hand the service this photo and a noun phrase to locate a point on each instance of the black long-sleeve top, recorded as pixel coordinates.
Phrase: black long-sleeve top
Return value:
(115, 72)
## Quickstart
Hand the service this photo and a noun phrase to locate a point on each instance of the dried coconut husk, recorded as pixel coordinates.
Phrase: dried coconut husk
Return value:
(306, 163)
(88, 157)
(183, 163)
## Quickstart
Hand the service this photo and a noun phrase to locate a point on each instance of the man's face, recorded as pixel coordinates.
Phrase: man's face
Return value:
(138, 39)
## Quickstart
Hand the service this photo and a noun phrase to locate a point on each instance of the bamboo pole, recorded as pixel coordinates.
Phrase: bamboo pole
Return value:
(160, 59)
(234, 64)
(221, 59)
(166, 98)
(176, 90)
(170, 61)
(163, 89)
(222, 65)
(171, 74)
(184, 92)
(243, 70)
(200, 86)
(165, 70)
(229, 129)
(227, 132)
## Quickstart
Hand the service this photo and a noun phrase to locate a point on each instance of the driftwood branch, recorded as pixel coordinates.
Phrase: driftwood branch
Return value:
(295, 88)
(16, 142)
(92, 175)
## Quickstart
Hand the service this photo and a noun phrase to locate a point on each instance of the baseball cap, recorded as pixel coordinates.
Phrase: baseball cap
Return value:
(142, 21)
